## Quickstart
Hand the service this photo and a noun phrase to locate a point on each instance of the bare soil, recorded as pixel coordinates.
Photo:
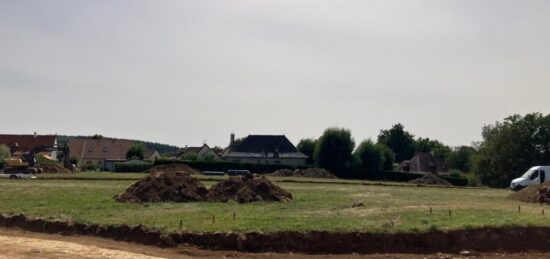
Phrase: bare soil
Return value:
(309, 172)
(160, 186)
(539, 193)
(246, 189)
(172, 168)
(25, 245)
(54, 168)
(431, 179)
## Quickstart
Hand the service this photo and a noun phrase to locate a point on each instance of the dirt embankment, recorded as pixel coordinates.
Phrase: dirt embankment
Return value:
(539, 193)
(309, 172)
(431, 179)
(506, 239)
(53, 168)
(161, 186)
(172, 168)
(179, 186)
(248, 188)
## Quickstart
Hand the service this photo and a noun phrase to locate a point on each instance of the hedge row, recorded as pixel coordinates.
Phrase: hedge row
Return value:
(132, 167)
(263, 169)
(224, 166)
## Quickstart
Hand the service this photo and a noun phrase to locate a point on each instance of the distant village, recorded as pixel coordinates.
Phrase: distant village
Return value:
(98, 153)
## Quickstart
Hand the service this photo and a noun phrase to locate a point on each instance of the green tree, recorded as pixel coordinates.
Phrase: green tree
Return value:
(373, 157)
(307, 147)
(433, 146)
(388, 155)
(461, 158)
(334, 150)
(136, 151)
(97, 136)
(4, 153)
(511, 147)
(369, 156)
(400, 141)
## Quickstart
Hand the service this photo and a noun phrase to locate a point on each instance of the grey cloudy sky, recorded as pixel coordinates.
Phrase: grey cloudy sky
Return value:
(181, 72)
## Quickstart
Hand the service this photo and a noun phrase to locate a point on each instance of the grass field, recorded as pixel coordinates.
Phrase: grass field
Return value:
(316, 206)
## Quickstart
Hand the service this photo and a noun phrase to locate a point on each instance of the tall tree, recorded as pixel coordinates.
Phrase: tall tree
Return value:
(511, 147)
(307, 147)
(400, 141)
(433, 146)
(334, 150)
(4, 152)
(461, 158)
(136, 151)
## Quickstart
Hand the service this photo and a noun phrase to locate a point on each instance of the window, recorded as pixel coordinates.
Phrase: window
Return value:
(534, 175)
(277, 161)
(104, 149)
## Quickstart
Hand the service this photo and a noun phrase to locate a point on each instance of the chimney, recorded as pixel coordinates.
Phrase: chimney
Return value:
(232, 141)
(35, 134)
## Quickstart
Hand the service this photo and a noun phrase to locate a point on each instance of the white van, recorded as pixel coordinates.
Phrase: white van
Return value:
(535, 175)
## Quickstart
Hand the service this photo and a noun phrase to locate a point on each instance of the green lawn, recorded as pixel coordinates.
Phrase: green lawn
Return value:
(326, 206)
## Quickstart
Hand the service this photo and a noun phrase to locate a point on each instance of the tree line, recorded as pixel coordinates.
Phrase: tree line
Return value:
(507, 150)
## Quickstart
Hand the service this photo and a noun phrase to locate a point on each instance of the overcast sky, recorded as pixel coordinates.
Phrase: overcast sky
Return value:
(184, 72)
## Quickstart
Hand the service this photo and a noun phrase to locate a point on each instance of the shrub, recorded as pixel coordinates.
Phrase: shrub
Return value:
(132, 167)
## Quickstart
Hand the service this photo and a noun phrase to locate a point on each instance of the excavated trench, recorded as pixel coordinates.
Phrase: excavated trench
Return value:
(505, 239)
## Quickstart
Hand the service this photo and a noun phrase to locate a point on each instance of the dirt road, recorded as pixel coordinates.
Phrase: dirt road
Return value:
(19, 244)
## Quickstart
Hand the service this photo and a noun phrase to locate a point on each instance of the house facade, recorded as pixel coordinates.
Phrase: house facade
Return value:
(203, 153)
(102, 153)
(424, 163)
(264, 149)
(21, 144)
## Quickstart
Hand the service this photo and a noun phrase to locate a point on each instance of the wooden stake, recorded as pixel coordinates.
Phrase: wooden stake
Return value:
(181, 224)
(234, 215)
(213, 219)
(543, 212)
(431, 211)
(450, 213)
(519, 208)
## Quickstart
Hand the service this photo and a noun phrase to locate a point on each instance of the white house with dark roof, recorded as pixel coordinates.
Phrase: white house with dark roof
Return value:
(264, 149)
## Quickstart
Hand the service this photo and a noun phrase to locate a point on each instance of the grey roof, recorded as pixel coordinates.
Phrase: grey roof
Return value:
(263, 155)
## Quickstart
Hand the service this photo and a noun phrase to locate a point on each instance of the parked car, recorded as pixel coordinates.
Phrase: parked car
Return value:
(233, 172)
(535, 175)
(17, 175)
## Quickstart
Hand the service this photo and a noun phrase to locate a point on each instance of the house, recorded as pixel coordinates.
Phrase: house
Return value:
(102, 153)
(264, 149)
(203, 153)
(20, 144)
(424, 163)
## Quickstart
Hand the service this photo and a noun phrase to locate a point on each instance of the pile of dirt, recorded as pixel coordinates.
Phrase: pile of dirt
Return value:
(159, 186)
(53, 168)
(539, 193)
(171, 168)
(248, 188)
(309, 172)
(431, 179)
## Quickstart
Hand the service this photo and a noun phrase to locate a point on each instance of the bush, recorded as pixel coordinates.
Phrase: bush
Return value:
(132, 167)
(224, 166)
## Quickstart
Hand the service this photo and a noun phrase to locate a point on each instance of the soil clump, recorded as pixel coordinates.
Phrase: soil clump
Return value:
(431, 179)
(309, 172)
(246, 189)
(161, 186)
(539, 193)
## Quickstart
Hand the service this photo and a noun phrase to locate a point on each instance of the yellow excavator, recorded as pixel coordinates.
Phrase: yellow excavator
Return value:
(25, 164)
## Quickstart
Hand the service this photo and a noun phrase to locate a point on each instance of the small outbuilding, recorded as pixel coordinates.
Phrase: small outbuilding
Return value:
(424, 163)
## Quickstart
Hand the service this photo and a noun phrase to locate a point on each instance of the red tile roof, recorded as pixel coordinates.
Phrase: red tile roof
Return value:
(25, 143)
(103, 149)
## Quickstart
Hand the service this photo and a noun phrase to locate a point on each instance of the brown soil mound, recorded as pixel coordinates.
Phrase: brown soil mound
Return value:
(248, 188)
(165, 186)
(539, 193)
(53, 168)
(310, 172)
(171, 168)
(431, 179)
